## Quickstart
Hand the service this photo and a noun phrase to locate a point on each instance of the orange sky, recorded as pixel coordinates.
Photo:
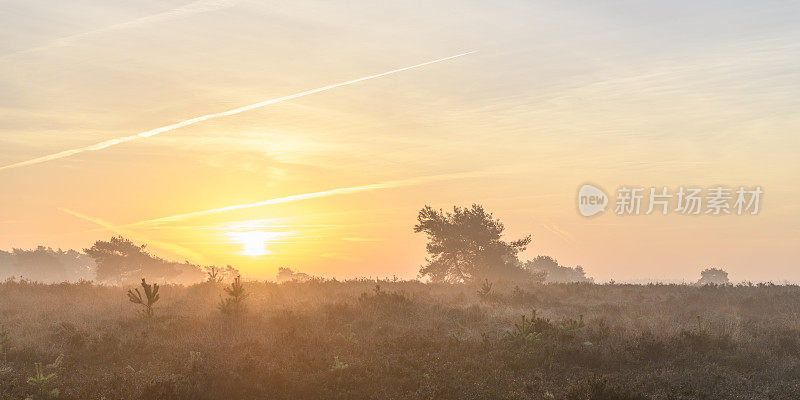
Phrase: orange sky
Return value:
(557, 95)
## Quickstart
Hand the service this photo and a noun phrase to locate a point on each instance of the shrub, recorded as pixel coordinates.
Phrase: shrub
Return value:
(525, 331)
(572, 327)
(42, 382)
(234, 303)
(485, 291)
(151, 297)
(213, 274)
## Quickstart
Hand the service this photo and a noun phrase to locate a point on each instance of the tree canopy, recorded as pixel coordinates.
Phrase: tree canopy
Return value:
(467, 245)
(119, 260)
(713, 276)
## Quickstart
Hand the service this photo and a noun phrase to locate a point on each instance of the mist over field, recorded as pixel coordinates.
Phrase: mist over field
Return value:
(378, 199)
(480, 323)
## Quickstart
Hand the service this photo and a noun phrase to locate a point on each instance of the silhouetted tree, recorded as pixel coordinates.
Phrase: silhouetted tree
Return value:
(287, 275)
(150, 297)
(466, 245)
(554, 272)
(119, 260)
(714, 276)
(234, 304)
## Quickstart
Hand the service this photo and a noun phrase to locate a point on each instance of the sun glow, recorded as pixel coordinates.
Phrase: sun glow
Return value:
(254, 242)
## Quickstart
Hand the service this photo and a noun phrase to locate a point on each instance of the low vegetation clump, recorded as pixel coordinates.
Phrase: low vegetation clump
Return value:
(147, 301)
(233, 304)
(43, 381)
(364, 339)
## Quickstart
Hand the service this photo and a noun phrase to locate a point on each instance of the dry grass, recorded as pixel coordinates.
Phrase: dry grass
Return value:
(407, 340)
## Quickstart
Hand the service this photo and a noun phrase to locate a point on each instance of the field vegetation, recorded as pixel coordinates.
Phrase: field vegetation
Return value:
(401, 340)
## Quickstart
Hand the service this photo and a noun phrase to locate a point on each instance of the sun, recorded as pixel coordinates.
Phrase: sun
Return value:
(254, 242)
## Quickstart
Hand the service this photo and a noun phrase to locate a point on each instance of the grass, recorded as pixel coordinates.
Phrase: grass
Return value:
(406, 340)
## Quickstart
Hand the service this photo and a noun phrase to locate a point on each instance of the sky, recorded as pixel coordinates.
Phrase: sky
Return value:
(555, 95)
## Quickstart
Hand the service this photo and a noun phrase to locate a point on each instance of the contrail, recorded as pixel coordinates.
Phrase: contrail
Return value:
(558, 232)
(120, 230)
(314, 195)
(195, 7)
(113, 142)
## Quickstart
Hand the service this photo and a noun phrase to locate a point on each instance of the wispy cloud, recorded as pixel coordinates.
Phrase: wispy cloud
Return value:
(195, 7)
(324, 193)
(361, 239)
(562, 234)
(113, 142)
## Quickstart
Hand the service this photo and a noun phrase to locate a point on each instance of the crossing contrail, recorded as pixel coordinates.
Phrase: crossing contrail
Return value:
(179, 250)
(325, 193)
(147, 134)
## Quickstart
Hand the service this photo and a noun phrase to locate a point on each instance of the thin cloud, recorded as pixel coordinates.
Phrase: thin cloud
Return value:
(324, 193)
(195, 7)
(361, 239)
(113, 142)
(563, 235)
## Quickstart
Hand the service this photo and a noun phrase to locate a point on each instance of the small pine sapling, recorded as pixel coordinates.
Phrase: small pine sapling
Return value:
(338, 365)
(485, 291)
(573, 327)
(234, 303)
(214, 275)
(525, 331)
(151, 296)
(348, 335)
(195, 359)
(42, 381)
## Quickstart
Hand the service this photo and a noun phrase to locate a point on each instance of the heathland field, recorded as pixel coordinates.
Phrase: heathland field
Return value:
(401, 340)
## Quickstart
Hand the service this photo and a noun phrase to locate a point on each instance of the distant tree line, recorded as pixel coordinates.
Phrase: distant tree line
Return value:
(45, 264)
(286, 274)
(465, 245)
(115, 261)
(554, 272)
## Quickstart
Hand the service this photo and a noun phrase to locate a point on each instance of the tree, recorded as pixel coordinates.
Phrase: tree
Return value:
(150, 297)
(552, 271)
(466, 245)
(234, 304)
(119, 260)
(713, 276)
(286, 274)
